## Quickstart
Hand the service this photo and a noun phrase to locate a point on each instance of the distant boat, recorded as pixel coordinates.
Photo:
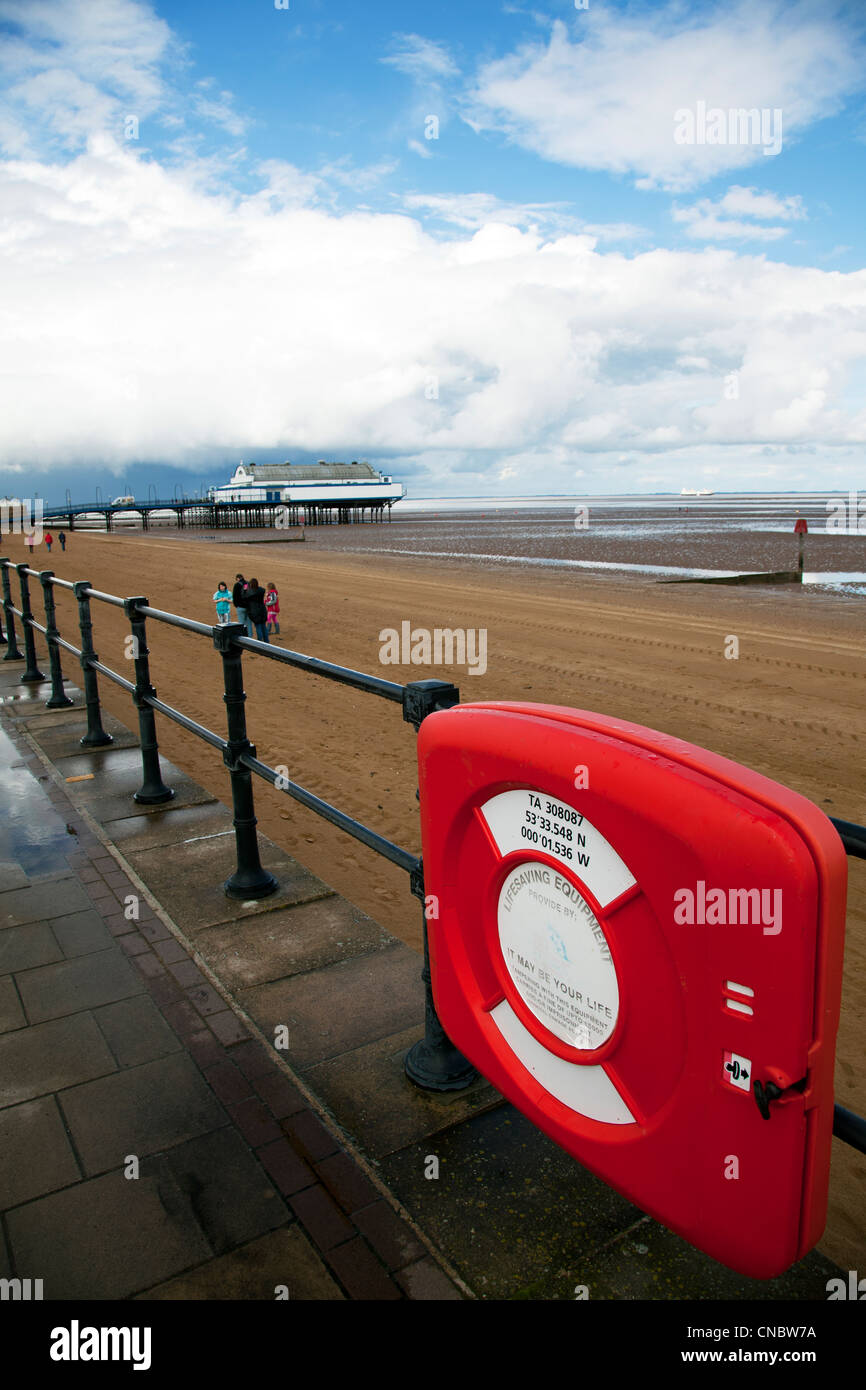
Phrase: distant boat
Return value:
(696, 492)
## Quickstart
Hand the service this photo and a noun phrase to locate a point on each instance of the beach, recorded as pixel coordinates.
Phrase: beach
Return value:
(790, 705)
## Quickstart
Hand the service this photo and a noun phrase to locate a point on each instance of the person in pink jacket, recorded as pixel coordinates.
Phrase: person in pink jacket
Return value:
(272, 604)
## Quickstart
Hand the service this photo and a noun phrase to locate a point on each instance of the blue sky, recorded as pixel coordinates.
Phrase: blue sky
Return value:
(497, 248)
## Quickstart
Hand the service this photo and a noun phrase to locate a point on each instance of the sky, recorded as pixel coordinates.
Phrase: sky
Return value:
(494, 248)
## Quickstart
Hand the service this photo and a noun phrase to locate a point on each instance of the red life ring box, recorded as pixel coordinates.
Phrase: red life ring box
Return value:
(639, 943)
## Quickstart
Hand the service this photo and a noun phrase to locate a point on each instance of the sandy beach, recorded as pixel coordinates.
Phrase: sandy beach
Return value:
(790, 706)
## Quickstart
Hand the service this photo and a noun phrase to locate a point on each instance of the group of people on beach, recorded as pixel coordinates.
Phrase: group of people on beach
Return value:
(257, 608)
(30, 540)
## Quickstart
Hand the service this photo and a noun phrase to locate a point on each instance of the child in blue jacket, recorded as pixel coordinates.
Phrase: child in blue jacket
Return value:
(223, 599)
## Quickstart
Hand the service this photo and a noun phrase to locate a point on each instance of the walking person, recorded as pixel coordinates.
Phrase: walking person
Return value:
(222, 598)
(29, 538)
(257, 614)
(61, 536)
(272, 604)
(239, 600)
(49, 541)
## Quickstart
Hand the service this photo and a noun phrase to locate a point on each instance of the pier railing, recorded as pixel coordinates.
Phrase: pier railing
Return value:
(433, 1062)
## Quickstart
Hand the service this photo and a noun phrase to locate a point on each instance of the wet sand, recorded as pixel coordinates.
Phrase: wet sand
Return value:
(791, 706)
(712, 536)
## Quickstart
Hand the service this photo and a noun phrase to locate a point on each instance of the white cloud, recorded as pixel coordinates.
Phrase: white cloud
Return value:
(153, 312)
(425, 60)
(606, 97)
(748, 202)
(147, 316)
(220, 111)
(75, 66)
(713, 221)
(472, 211)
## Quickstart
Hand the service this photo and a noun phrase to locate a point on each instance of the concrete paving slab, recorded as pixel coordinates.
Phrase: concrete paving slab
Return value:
(67, 987)
(25, 710)
(136, 1031)
(80, 933)
(35, 1153)
(379, 1105)
(255, 951)
(107, 1238)
(12, 876)
(342, 1007)
(51, 1056)
(63, 739)
(139, 1111)
(652, 1263)
(116, 776)
(169, 825)
(193, 894)
(425, 1280)
(285, 1258)
(22, 948)
(232, 1196)
(56, 718)
(42, 901)
(11, 1012)
(514, 1213)
(26, 699)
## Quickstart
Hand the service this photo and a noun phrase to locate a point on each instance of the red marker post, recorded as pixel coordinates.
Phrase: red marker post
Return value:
(801, 529)
(639, 943)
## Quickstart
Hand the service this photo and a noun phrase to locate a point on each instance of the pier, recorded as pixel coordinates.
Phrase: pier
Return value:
(228, 516)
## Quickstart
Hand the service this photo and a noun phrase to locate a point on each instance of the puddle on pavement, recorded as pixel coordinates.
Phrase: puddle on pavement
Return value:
(31, 831)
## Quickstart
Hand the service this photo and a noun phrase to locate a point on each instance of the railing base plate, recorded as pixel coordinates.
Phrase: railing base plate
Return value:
(438, 1069)
(258, 888)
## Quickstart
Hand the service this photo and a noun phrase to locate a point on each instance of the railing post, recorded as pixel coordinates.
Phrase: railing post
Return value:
(153, 790)
(12, 653)
(32, 675)
(59, 698)
(250, 879)
(96, 737)
(433, 1063)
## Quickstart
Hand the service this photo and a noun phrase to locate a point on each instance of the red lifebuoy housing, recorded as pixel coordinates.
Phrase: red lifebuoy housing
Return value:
(640, 944)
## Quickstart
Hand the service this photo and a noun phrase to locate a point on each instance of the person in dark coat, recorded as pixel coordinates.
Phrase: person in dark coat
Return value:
(239, 599)
(256, 611)
(62, 539)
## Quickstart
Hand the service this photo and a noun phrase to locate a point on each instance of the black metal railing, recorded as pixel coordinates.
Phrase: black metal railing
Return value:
(433, 1062)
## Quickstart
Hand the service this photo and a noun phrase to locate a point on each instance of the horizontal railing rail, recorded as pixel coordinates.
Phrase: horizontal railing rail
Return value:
(433, 1062)
(853, 837)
